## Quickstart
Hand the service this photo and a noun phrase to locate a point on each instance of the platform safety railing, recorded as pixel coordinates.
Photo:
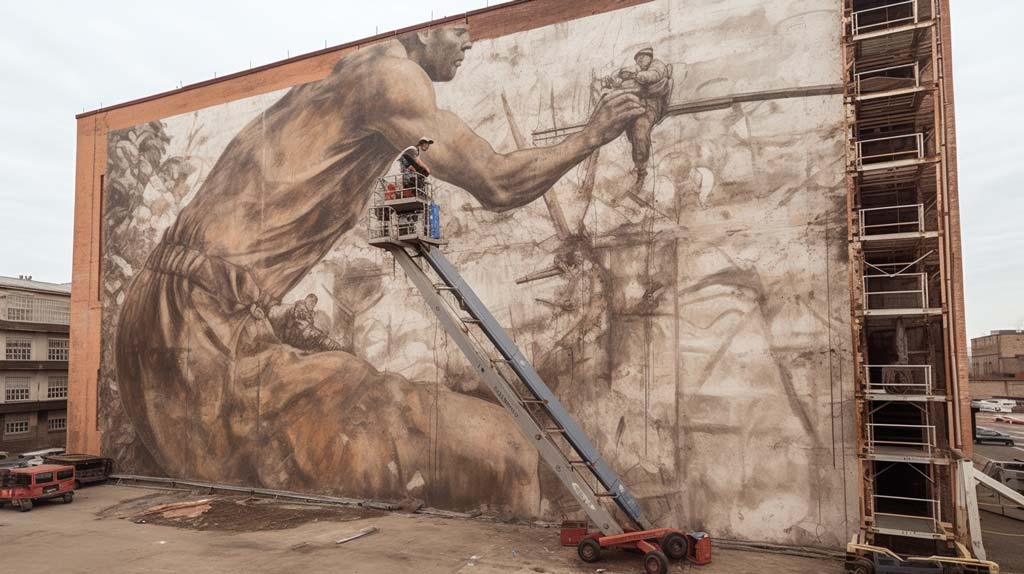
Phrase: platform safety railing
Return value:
(929, 508)
(888, 78)
(900, 291)
(896, 219)
(899, 379)
(890, 149)
(404, 186)
(919, 437)
(884, 17)
(381, 223)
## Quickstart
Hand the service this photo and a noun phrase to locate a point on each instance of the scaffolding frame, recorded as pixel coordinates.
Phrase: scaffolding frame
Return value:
(898, 173)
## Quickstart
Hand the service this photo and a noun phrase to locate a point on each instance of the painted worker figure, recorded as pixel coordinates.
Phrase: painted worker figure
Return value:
(414, 171)
(300, 330)
(235, 402)
(652, 79)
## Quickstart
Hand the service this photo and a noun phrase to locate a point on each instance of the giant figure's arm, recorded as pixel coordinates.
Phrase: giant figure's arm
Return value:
(461, 157)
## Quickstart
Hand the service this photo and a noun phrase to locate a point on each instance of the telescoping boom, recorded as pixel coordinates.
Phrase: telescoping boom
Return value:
(406, 223)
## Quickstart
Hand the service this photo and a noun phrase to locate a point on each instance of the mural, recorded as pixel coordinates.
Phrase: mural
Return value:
(681, 283)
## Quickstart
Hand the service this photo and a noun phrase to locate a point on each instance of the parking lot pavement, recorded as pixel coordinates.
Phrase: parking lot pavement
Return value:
(103, 531)
(1000, 452)
(1004, 542)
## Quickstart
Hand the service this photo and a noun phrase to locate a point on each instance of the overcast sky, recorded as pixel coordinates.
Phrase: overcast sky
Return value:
(59, 58)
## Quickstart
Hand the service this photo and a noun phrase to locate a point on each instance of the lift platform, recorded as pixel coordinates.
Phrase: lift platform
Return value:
(405, 221)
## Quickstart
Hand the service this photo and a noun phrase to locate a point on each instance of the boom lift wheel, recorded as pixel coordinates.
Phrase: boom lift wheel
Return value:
(674, 546)
(26, 505)
(589, 550)
(655, 562)
(68, 497)
(861, 565)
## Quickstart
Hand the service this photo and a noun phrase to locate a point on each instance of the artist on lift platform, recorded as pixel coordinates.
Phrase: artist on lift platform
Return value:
(414, 171)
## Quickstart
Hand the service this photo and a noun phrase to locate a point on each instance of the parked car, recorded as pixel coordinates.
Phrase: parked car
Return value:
(13, 463)
(994, 406)
(24, 487)
(88, 468)
(991, 435)
(35, 457)
(42, 452)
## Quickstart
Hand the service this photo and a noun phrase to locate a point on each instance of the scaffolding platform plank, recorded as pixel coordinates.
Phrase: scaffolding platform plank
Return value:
(911, 526)
(904, 454)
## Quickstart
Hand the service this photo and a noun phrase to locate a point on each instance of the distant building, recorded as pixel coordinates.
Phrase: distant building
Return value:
(998, 355)
(34, 325)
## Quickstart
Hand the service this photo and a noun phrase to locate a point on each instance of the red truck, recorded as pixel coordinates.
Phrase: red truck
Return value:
(22, 487)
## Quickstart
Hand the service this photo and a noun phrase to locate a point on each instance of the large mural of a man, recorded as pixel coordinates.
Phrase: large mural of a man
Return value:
(674, 270)
(211, 388)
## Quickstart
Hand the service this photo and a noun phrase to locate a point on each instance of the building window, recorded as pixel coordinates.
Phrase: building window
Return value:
(57, 350)
(19, 308)
(57, 387)
(57, 423)
(15, 425)
(30, 309)
(16, 389)
(18, 349)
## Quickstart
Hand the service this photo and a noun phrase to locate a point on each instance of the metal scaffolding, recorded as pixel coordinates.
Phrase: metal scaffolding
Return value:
(904, 325)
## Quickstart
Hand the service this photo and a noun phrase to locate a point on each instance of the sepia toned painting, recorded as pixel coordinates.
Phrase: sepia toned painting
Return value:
(650, 200)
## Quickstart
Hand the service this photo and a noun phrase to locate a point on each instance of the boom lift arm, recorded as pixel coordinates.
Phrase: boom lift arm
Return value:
(406, 223)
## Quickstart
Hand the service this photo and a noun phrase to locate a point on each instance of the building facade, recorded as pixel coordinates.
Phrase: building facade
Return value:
(34, 323)
(998, 355)
(744, 280)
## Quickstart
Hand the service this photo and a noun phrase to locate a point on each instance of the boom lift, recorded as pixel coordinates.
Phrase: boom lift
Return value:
(405, 221)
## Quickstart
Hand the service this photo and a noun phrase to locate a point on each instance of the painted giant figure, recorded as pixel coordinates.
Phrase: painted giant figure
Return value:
(674, 266)
(195, 325)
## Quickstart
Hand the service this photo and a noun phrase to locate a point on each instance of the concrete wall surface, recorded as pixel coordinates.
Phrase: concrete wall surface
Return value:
(676, 273)
(987, 388)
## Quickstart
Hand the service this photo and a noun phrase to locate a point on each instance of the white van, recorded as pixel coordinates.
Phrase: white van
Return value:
(996, 405)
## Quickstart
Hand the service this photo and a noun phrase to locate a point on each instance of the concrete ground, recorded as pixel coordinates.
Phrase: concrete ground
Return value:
(1003, 536)
(107, 529)
(1004, 542)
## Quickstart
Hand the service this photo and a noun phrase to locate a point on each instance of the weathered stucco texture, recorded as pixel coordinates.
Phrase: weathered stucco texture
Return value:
(694, 317)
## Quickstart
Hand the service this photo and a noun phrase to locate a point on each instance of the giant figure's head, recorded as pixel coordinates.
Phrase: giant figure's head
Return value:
(439, 51)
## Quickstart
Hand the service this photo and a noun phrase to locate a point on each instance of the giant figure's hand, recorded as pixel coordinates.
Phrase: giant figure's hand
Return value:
(614, 112)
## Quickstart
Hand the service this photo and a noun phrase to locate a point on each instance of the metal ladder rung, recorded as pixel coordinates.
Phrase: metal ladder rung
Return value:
(443, 287)
(607, 494)
(469, 320)
(580, 463)
(555, 430)
(533, 401)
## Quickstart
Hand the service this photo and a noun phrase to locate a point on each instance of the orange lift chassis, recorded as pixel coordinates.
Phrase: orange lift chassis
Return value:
(406, 222)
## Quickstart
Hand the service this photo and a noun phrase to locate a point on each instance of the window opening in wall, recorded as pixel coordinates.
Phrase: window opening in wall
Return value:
(30, 309)
(16, 425)
(16, 389)
(57, 423)
(57, 387)
(18, 349)
(57, 350)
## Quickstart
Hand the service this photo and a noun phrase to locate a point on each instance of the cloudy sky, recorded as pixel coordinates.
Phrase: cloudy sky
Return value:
(59, 58)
